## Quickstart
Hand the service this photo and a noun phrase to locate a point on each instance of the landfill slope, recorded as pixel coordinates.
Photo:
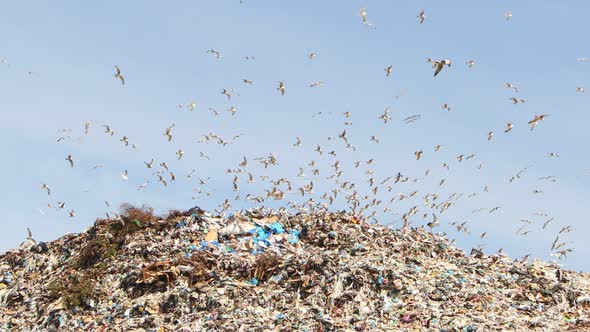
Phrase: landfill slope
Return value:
(276, 271)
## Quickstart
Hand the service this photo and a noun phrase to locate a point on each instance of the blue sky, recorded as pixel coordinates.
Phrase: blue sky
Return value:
(61, 58)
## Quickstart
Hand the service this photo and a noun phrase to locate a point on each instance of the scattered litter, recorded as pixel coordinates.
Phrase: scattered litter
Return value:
(263, 270)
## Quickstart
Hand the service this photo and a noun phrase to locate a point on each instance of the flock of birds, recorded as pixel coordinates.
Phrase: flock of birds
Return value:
(366, 198)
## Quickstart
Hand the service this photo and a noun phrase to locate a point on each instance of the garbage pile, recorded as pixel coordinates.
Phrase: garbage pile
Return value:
(269, 270)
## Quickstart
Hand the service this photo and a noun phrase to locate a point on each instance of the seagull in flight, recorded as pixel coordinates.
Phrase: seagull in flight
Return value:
(363, 13)
(150, 164)
(216, 53)
(421, 16)
(119, 75)
(511, 86)
(439, 65)
(70, 160)
(168, 132)
(281, 88)
(46, 187)
(536, 120)
(517, 100)
(87, 126)
(108, 130)
(508, 127)
(388, 70)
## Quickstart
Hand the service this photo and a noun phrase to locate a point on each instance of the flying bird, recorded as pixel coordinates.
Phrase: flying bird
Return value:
(566, 229)
(119, 75)
(547, 222)
(70, 160)
(125, 140)
(46, 187)
(125, 175)
(87, 126)
(366, 23)
(143, 185)
(226, 93)
(494, 209)
(215, 113)
(470, 63)
(301, 173)
(108, 130)
(363, 13)
(508, 127)
(318, 149)
(412, 119)
(517, 100)
(216, 53)
(343, 135)
(385, 116)
(30, 235)
(439, 65)
(536, 120)
(388, 70)
(418, 154)
(168, 132)
(244, 163)
(549, 178)
(511, 86)
(190, 175)
(63, 138)
(421, 16)
(518, 175)
(281, 88)
(150, 164)
(191, 105)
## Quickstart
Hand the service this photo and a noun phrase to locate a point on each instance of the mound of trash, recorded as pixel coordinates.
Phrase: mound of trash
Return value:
(271, 270)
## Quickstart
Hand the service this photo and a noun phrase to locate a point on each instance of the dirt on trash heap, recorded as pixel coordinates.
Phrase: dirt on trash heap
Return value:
(277, 271)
